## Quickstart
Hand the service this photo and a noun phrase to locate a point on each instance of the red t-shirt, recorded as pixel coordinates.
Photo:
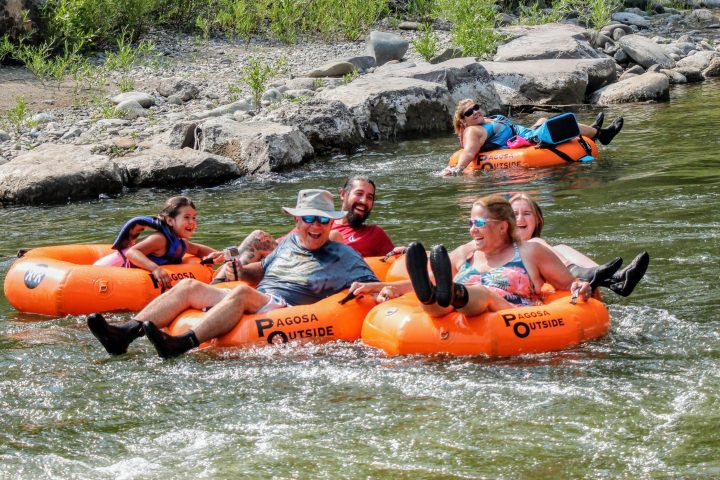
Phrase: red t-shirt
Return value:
(368, 240)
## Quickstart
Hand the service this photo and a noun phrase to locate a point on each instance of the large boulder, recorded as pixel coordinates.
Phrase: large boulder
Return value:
(328, 125)
(386, 47)
(257, 147)
(550, 82)
(395, 107)
(463, 77)
(645, 52)
(552, 41)
(629, 18)
(57, 173)
(650, 86)
(167, 167)
(700, 60)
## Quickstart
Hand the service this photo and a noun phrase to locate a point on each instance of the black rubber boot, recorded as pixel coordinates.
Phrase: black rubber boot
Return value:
(624, 282)
(442, 270)
(416, 263)
(115, 338)
(460, 296)
(605, 135)
(169, 346)
(596, 275)
(598, 123)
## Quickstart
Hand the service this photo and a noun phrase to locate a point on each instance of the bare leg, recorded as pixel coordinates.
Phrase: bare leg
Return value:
(569, 255)
(229, 311)
(188, 293)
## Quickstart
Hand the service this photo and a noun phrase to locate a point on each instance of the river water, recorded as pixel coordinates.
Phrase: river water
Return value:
(640, 403)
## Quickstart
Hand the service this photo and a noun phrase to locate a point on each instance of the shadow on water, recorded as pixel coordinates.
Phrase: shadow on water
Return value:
(639, 403)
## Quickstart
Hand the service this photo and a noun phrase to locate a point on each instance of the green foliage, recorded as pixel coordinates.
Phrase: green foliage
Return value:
(257, 74)
(41, 61)
(16, 117)
(6, 47)
(349, 77)
(285, 17)
(473, 25)
(356, 16)
(427, 43)
(535, 14)
(420, 9)
(593, 13)
(126, 84)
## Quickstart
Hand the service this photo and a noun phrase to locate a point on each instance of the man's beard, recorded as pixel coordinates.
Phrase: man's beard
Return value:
(355, 220)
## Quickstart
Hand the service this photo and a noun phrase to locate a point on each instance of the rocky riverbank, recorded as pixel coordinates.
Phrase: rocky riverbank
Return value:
(190, 121)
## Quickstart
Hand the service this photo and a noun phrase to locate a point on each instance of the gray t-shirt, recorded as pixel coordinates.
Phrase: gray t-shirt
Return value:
(303, 276)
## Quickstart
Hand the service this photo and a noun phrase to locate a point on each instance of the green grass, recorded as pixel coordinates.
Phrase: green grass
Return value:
(257, 74)
(427, 43)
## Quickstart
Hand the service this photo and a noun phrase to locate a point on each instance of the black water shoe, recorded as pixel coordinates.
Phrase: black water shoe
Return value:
(169, 346)
(625, 280)
(596, 275)
(598, 123)
(442, 270)
(605, 135)
(416, 263)
(115, 339)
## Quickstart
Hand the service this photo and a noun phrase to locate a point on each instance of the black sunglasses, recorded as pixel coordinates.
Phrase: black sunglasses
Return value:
(471, 110)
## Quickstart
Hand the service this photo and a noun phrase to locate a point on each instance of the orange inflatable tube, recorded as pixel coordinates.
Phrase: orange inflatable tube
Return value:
(527, 157)
(321, 322)
(401, 327)
(62, 280)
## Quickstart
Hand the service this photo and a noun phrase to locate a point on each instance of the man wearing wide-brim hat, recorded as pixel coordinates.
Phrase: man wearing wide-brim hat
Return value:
(304, 268)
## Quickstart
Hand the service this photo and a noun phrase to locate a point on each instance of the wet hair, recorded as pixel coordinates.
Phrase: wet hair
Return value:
(539, 219)
(459, 119)
(172, 207)
(359, 178)
(498, 208)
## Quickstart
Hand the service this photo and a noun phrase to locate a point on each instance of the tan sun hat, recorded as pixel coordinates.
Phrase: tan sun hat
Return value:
(314, 202)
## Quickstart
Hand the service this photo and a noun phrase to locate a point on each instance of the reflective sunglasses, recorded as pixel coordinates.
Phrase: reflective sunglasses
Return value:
(471, 110)
(480, 222)
(312, 218)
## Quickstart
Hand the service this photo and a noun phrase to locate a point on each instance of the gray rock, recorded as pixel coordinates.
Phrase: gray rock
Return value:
(387, 107)
(463, 78)
(409, 25)
(241, 105)
(675, 77)
(361, 62)
(143, 99)
(691, 74)
(550, 82)
(627, 75)
(272, 95)
(386, 46)
(301, 83)
(174, 100)
(4, 136)
(332, 69)
(177, 86)
(553, 41)
(111, 122)
(636, 69)
(701, 16)
(621, 57)
(72, 132)
(257, 147)
(130, 109)
(162, 166)
(630, 19)
(300, 93)
(700, 60)
(645, 52)
(651, 86)
(713, 69)
(58, 173)
(328, 125)
(447, 54)
(43, 118)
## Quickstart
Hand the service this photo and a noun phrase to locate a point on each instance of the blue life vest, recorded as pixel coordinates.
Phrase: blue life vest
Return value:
(175, 246)
(499, 131)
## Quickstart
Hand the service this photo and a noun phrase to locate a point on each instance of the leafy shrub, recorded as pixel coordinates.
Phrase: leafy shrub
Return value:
(427, 43)
(473, 24)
